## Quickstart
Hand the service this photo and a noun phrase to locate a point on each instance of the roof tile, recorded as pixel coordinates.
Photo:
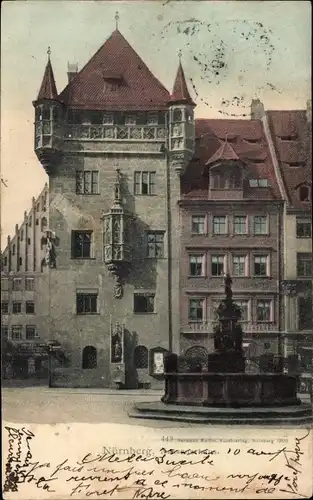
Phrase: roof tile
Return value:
(293, 143)
(180, 92)
(48, 88)
(115, 78)
(255, 156)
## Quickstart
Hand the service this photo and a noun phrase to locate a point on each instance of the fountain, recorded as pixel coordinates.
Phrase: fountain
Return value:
(225, 393)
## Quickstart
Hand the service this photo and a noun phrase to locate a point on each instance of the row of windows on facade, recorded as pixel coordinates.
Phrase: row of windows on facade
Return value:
(87, 182)
(140, 357)
(17, 307)
(19, 284)
(240, 225)
(240, 265)
(87, 303)
(17, 332)
(100, 118)
(263, 311)
(82, 244)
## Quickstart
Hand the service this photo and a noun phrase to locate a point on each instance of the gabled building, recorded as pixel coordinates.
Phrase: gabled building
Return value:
(112, 143)
(24, 294)
(291, 135)
(231, 220)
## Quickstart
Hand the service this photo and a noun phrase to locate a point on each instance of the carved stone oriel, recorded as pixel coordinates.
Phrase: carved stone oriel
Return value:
(116, 249)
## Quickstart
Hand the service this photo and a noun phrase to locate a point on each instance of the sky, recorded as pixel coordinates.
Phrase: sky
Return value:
(231, 52)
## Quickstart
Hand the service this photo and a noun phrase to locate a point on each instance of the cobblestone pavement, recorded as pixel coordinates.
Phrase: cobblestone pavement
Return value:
(51, 406)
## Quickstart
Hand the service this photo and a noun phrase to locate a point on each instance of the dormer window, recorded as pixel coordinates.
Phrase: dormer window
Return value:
(304, 193)
(258, 183)
(225, 178)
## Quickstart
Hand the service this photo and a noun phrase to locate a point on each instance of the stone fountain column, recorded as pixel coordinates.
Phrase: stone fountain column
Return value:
(228, 355)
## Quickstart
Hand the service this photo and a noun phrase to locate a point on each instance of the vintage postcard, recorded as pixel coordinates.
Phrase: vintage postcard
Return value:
(156, 250)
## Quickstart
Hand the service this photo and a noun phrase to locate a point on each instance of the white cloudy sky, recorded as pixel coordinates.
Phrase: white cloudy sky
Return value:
(231, 52)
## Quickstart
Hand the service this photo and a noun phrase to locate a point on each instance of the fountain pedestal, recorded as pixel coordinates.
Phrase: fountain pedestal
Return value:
(225, 394)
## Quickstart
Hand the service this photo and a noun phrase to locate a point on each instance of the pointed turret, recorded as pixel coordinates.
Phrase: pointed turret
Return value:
(225, 152)
(48, 89)
(48, 121)
(182, 124)
(180, 94)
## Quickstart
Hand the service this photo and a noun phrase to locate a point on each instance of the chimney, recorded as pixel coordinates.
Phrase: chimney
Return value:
(309, 111)
(72, 70)
(257, 109)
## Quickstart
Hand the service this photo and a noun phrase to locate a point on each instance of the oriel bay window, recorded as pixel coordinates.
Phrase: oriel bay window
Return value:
(81, 244)
(264, 310)
(144, 183)
(196, 265)
(217, 265)
(196, 309)
(87, 182)
(86, 302)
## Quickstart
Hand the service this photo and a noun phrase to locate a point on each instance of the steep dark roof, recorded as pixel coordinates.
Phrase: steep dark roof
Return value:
(247, 140)
(48, 88)
(180, 92)
(293, 144)
(115, 78)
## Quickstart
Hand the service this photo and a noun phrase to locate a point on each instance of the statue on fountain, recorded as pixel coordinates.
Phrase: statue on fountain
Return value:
(228, 355)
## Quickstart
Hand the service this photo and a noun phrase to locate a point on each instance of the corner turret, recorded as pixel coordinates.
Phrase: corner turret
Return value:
(181, 123)
(48, 121)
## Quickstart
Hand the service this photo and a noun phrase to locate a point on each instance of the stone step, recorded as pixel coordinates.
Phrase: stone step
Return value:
(226, 420)
(284, 415)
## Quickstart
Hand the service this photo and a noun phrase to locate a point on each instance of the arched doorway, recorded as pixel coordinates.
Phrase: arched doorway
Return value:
(89, 360)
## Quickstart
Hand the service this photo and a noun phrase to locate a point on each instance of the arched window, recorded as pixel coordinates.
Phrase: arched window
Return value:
(141, 357)
(199, 352)
(89, 357)
(43, 224)
(304, 193)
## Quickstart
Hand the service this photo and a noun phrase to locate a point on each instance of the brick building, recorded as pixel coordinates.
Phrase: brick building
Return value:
(24, 297)
(231, 219)
(291, 132)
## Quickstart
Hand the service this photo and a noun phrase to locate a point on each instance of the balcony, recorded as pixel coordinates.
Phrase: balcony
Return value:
(114, 133)
(247, 326)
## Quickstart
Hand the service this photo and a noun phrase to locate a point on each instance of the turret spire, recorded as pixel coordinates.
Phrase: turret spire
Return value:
(116, 20)
(180, 92)
(48, 88)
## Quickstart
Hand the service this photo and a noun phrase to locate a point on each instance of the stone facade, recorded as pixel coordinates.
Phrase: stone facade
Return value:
(24, 292)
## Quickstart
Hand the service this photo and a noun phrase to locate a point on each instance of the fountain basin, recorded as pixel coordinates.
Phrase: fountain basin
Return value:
(230, 389)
